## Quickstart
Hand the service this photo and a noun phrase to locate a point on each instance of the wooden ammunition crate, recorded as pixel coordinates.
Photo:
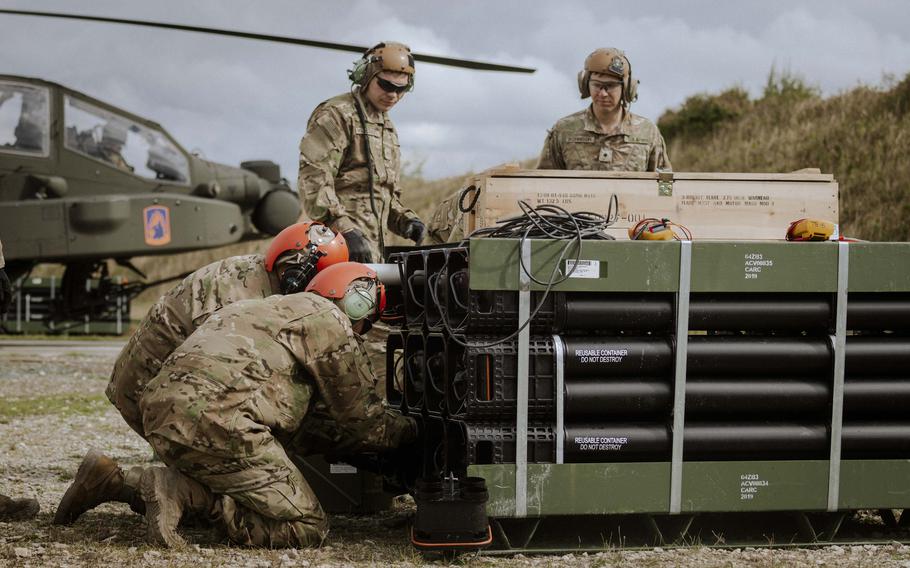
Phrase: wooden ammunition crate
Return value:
(729, 206)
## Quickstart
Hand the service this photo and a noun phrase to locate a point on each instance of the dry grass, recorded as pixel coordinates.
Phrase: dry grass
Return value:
(859, 135)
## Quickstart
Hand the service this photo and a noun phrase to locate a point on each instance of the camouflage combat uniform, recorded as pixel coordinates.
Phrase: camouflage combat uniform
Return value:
(244, 381)
(334, 180)
(576, 142)
(335, 186)
(174, 317)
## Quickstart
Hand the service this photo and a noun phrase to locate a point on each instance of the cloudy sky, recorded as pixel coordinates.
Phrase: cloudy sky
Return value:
(238, 99)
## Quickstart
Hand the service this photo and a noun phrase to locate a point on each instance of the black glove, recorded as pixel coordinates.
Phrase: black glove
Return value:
(358, 246)
(6, 292)
(415, 230)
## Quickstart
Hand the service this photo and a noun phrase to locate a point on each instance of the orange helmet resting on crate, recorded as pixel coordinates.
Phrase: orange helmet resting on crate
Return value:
(301, 250)
(355, 288)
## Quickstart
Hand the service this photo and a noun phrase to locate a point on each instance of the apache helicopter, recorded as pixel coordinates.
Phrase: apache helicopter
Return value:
(83, 182)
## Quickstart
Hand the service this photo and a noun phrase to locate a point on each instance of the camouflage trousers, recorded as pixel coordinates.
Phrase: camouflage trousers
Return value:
(266, 506)
(375, 344)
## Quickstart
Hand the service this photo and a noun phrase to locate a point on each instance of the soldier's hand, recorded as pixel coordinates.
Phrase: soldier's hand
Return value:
(415, 230)
(358, 246)
(6, 292)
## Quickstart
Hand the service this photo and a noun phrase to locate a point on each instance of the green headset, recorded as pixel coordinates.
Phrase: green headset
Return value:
(358, 303)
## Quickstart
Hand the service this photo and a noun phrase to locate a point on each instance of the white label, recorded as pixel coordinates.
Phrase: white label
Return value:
(341, 468)
(754, 264)
(601, 443)
(583, 268)
(749, 486)
(601, 355)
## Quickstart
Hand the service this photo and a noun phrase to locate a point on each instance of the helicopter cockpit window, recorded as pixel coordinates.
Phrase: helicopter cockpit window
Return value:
(122, 143)
(24, 118)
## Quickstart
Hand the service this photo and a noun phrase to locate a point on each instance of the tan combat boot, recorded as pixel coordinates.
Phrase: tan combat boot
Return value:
(98, 480)
(17, 509)
(168, 494)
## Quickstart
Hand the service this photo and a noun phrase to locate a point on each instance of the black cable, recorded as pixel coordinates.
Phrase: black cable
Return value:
(410, 282)
(464, 192)
(369, 152)
(544, 221)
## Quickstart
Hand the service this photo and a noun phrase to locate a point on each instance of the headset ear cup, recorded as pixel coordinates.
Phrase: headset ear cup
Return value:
(632, 91)
(356, 74)
(358, 305)
(583, 84)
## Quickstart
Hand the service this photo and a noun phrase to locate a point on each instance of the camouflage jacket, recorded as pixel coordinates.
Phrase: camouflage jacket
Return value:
(174, 317)
(576, 143)
(334, 180)
(250, 373)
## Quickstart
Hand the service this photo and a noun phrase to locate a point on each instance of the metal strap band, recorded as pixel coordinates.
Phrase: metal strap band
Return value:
(559, 352)
(839, 343)
(679, 387)
(521, 395)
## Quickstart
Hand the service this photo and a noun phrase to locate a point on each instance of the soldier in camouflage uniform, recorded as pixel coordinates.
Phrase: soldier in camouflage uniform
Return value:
(243, 382)
(12, 509)
(606, 136)
(169, 322)
(336, 183)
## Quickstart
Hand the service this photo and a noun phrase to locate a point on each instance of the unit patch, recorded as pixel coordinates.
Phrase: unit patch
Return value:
(157, 223)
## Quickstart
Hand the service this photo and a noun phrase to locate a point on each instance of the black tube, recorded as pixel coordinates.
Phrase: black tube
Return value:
(777, 398)
(708, 441)
(616, 442)
(702, 441)
(868, 355)
(792, 312)
(617, 399)
(717, 441)
(751, 355)
(876, 440)
(597, 312)
(639, 399)
(617, 356)
(878, 311)
(876, 397)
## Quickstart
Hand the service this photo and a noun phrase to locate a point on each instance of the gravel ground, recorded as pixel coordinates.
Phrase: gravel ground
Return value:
(52, 410)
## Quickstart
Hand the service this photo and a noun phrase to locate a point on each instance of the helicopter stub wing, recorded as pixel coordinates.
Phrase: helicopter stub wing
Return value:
(118, 226)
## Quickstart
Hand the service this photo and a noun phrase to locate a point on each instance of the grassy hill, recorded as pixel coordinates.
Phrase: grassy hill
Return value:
(861, 136)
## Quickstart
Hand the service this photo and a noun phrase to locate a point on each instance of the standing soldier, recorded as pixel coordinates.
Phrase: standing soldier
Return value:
(350, 160)
(12, 509)
(606, 136)
(243, 382)
(286, 268)
(350, 165)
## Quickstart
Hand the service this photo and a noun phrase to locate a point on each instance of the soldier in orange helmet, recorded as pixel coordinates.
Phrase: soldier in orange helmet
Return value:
(291, 260)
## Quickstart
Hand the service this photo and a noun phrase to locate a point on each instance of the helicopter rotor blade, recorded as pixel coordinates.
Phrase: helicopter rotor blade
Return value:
(439, 60)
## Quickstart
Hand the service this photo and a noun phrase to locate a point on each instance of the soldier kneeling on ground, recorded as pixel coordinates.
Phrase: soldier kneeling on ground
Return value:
(245, 381)
(287, 266)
